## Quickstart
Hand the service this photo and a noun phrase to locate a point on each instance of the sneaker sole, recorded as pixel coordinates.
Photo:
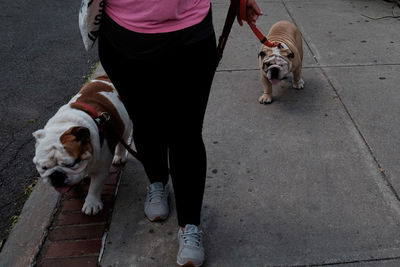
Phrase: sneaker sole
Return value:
(157, 219)
(188, 264)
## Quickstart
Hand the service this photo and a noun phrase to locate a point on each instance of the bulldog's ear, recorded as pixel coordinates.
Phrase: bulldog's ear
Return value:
(81, 134)
(291, 55)
(261, 54)
(39, 134)
(76, 142)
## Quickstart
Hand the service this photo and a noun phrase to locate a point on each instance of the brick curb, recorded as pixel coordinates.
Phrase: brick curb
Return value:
(75, 238)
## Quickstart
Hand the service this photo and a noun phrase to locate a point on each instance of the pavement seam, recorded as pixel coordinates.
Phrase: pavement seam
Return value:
(305, 41)
(355, 261)
(341, 262)
(322, 69)
(380, 168)
(103, 245)
(321, 66)
(353, 65)
(105, 234)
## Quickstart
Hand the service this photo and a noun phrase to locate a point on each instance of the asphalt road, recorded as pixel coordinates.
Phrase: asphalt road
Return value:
(42, 64)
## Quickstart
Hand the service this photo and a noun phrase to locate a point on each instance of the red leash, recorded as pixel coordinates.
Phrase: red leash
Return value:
(256, 31)
(230, 18)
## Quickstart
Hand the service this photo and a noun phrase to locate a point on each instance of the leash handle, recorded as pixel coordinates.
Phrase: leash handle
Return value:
(256, 31)
(230, 18)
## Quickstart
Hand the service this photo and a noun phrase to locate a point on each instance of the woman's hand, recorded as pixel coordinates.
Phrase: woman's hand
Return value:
(252, 13)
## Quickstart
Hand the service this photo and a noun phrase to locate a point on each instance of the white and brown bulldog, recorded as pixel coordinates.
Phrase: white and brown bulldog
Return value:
(277, 62)
(72, 146)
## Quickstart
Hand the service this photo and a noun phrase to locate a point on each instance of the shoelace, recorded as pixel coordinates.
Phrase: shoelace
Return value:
(192, 238)
(156, 194)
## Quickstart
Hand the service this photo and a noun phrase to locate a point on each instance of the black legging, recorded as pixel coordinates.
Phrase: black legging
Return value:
(166, 97)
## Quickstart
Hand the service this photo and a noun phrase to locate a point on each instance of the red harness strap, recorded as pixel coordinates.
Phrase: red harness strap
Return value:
(89, 109)
(256, 31)
(100, 120)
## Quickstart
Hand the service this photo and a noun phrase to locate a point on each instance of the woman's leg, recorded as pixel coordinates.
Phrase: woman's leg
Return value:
(194, 67)
(142, 94)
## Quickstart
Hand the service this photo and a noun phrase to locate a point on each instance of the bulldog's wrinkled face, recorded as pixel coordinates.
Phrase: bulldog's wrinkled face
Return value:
(275, 63)
(61, 158)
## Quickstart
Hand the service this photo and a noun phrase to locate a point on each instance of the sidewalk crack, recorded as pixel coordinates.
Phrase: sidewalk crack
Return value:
(353, 121)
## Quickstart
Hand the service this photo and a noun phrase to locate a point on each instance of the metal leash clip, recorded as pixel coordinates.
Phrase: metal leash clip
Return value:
(103, 117)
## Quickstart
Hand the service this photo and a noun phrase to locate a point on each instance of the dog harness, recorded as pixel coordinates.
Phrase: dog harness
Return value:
(101, 122)
(99, 119)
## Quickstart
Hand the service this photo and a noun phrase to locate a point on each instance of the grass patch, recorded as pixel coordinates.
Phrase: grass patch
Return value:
(14, 220)
(28, 190)
(91, 72)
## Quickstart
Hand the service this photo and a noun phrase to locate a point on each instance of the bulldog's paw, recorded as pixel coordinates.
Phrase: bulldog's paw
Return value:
(92, 206)
(120, 154)
(118, 160)
(298, 85)
(265, 99)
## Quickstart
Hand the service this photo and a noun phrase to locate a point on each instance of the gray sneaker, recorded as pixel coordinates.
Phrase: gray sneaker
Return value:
(191, 250)
(156, 205)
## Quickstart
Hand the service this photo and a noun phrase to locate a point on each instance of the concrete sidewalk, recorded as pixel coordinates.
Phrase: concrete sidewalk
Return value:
(313, 178)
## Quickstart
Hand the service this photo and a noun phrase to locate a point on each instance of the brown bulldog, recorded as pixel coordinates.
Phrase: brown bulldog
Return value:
(71, 146)
(277, 62)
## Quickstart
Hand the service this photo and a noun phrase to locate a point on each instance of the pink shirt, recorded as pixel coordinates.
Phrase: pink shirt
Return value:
(157, 16)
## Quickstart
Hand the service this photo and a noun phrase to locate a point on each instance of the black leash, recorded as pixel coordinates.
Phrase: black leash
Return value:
(230, 18)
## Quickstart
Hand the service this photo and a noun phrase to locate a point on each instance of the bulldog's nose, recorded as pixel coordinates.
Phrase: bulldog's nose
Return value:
(274, 73)
(57, 179)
